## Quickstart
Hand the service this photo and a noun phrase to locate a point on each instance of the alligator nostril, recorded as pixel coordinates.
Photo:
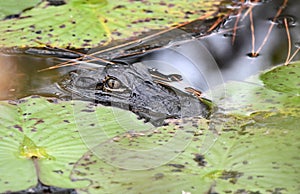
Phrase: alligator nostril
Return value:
(133, 94)
(99, 86)
(148, 83)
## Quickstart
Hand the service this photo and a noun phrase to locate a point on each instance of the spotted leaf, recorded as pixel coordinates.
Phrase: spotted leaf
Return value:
(90, 23)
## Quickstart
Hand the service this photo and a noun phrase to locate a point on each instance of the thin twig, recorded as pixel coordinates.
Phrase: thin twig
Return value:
(235, 25)
(291, 58)
(272, 25)
(67, 64)
(250, 8)
(289, 41)
(64, 64)
(254, 54)
(148, 37)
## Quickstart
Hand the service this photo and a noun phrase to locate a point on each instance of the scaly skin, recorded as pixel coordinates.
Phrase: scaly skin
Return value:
(131, 86)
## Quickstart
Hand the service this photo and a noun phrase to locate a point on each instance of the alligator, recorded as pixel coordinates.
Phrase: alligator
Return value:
(135, 87)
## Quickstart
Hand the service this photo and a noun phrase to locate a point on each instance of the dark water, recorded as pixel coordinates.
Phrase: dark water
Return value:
(232, 58)
(216, 58)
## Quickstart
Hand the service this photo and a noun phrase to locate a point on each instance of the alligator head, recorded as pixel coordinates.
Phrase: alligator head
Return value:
(133, 87)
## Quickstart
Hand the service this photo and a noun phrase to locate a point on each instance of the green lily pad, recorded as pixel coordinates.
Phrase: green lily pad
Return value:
(37, 144)
(247, 98)
(10, 7)
(273, 91)
(42, 139)
(90, 23)
(247, 157)
(97, 124)
(283, 79)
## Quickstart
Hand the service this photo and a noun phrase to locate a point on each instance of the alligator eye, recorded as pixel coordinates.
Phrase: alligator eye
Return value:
(113, 83)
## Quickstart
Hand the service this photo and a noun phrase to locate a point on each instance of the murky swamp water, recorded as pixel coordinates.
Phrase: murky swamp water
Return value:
(20, 76)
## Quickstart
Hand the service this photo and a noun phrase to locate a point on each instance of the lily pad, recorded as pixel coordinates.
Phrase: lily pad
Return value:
(283, 79)
(247, 98)
(273, 91)
(98, 124)
(253, 157)
(90, 23)
(37, 144)
(41, 139)
(10, 7)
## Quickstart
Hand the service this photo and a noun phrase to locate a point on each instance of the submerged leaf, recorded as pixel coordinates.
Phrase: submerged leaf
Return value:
(10, 7)
(90, 23)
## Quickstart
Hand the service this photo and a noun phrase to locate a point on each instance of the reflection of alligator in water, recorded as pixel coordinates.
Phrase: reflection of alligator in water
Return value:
(136, 88)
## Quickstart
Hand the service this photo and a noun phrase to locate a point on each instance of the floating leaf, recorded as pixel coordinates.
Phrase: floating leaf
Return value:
(29, 150)
(90, 23)
(283, 79)
(39, 139)
(28, 130)
(97, 124)
(247, 98)
(245, 158)
(278, 91)
(10, 7)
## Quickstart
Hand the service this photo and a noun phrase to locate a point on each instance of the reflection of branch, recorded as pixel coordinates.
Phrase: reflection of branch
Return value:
(236, 24)
(272, 25)
(295, 53)
(291, 58)
(254, 54)
(249, 11)
(289, 41)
